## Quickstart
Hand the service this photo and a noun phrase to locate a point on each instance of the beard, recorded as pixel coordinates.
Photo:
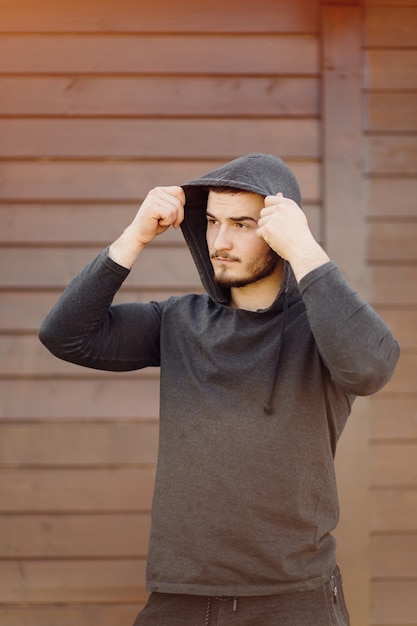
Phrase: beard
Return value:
(256, 270)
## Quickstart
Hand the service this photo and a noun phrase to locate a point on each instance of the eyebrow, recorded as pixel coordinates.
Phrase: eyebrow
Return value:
(243, 218)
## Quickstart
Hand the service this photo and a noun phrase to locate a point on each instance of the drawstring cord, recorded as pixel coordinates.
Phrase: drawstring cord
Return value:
(208, 607)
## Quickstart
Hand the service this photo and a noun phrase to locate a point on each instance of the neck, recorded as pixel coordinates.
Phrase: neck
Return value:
(259, 295)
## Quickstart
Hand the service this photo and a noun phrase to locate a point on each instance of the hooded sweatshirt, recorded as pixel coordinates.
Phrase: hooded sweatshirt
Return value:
(252, 404)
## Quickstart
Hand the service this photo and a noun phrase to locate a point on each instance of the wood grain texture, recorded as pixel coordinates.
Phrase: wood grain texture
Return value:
(63, 581)
(80, 398)
(69, 615)
(121, 180)
(157, 139)
(159, 16)
(79, 445)
(76, 490)
(161, 96)
(73, 536)
(180, 54)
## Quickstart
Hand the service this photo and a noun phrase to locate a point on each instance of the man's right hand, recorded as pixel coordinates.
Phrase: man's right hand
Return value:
(163, 207)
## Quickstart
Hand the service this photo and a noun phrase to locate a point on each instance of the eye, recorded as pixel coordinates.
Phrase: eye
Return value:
(240, 225)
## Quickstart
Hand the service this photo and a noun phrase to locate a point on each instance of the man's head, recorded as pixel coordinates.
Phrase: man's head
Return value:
(239, 257)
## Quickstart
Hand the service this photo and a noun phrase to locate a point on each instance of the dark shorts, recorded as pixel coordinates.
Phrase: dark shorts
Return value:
(324, 606)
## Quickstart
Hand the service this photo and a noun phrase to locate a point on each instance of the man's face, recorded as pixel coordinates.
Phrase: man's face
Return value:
(238, 255)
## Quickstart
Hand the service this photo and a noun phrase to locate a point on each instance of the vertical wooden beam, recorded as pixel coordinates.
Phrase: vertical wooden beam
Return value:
(345, 240)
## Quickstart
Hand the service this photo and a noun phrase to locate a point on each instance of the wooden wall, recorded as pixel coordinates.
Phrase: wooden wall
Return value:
(390, 139)
(100, 101)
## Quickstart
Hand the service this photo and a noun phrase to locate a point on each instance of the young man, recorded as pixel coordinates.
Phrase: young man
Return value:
(257, 382)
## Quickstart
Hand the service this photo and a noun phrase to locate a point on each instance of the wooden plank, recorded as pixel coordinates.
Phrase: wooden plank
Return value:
(120, 180)
(70, 444)
(394, 464)
(394, 556)
(393, 510)
(393, 284)
(403, 324)
(74, 536)
(160, 95)
(394, 603)
(183, 16)
(76, 490)
(163, 139)
(392, 241)
(55, 267)
(173, 53)
(391, 111)
(404, 379)
(81, 615)
(94, 224)
(97, 399)
(342, 154)
(391, 26)
(390, 69)
(393, 417)
(392, 155)
(72, 581)
(383, 194)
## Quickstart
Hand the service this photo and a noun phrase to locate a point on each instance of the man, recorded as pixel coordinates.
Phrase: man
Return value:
(257, 382)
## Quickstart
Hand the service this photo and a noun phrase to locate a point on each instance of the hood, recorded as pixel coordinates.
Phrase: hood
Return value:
(264, 174)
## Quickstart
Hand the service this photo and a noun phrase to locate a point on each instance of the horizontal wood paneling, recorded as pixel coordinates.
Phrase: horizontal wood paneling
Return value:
(394, 464)
(74, 536)
(391, 111)
(392, 155)
(392, 196)
(76, 490)
(403, 324)
(391, 26)
(394, 603)
(393, 241)
(79, 615)
(391, 69)
(160, 96)
(404, 379)
(159, 16)
(55, 267)
(175, 139)
(394, 556)
(393, 510)
(394, 417)
(94, 399)
(70, 581)
(120, 180)
(75, 444)
(155, 54)
(393, 284)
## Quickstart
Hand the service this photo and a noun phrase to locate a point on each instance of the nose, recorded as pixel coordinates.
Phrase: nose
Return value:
(222, 240)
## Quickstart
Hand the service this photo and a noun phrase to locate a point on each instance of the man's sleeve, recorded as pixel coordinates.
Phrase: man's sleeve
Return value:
(84, 328)
(355, 344)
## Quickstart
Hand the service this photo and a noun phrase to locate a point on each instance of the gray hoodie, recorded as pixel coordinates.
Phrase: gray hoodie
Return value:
(252, 405)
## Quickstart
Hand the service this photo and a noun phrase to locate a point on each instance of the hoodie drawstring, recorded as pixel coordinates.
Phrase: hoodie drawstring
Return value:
(268, 408)
(208, 607)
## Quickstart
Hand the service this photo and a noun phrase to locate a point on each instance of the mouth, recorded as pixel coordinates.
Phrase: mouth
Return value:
(224, 258)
